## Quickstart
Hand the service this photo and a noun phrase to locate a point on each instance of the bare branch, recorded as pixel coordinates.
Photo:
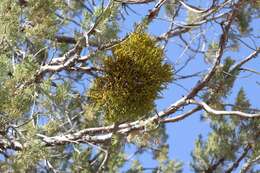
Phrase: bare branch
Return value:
(134, 1)
(248, 58)
(180, 29)
(250, 70)
(249, 163)
(192, 8)
(210, 110)
(180, 117)
(234, 165)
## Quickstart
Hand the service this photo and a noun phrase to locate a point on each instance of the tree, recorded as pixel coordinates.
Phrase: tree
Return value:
(77, 86)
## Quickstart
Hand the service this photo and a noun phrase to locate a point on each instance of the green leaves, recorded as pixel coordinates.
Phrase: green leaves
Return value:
(9, 20)
(220, 85)
(5, 68)
(136, 167)
(36, 20)
(241, 104)
(162, 154)
(15, 101)
(26, 70)
(170, 8)
(132, 79)
(41, 15)
(29, 157)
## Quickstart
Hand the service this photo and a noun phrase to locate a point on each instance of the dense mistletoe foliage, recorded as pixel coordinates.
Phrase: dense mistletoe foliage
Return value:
(132, 79)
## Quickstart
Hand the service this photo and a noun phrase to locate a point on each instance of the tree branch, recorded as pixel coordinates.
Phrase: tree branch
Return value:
(236, 163)
(180, 29)
(210, 110)
(248, 58)
(180, 117)
(9, 144)
(249, 163)
(134, 1)
(214, 166)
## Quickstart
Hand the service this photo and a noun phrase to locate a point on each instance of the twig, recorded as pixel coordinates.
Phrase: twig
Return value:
(180, 117)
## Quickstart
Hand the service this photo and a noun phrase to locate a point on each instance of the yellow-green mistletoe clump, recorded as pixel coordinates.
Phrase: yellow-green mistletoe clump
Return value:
(133, 77)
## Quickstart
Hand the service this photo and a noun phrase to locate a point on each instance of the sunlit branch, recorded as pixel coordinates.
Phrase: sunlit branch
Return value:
(245, 60)
(192, 8)
(210, 110)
